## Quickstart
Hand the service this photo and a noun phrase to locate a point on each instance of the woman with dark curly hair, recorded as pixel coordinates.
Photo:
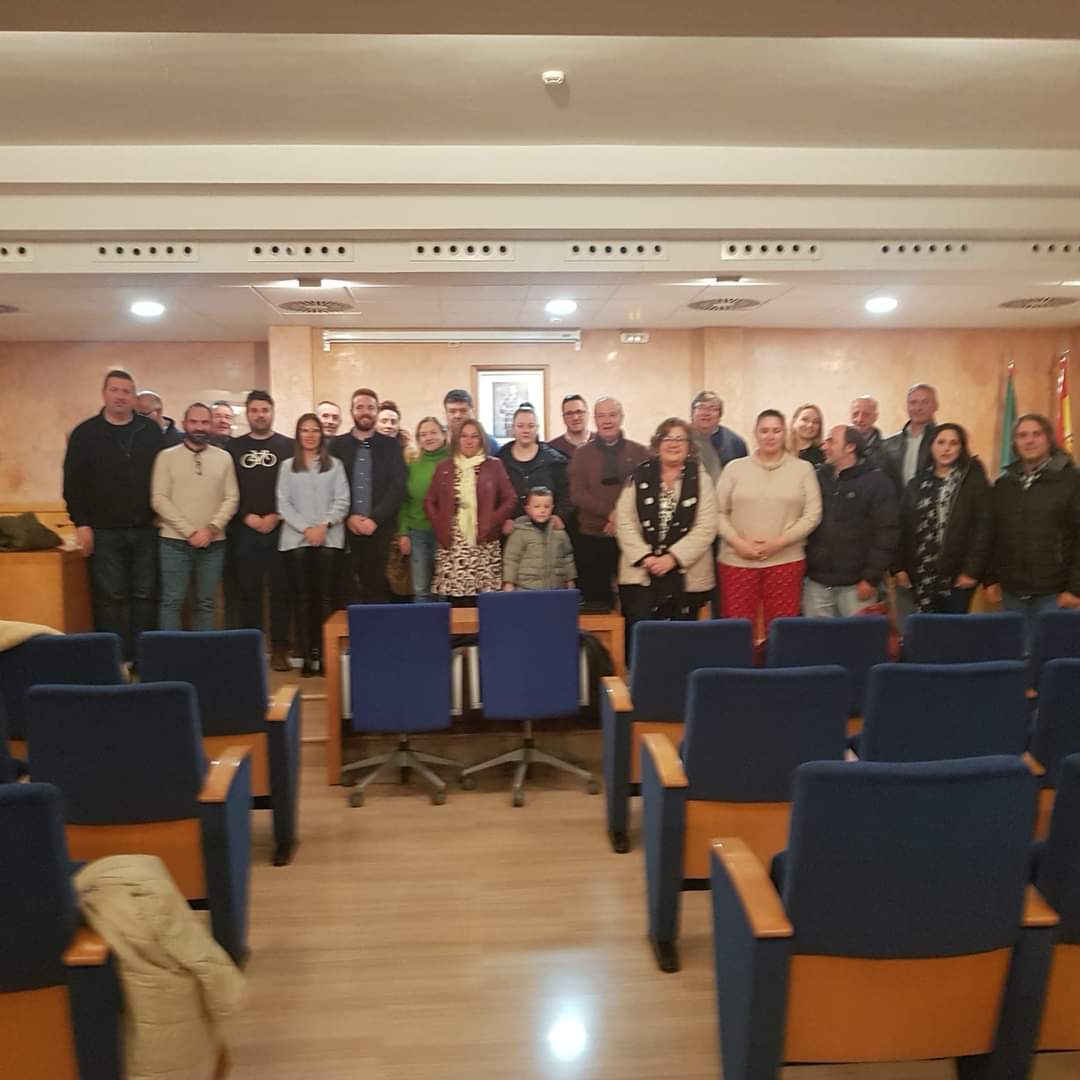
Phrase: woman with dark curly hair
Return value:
(665, 522)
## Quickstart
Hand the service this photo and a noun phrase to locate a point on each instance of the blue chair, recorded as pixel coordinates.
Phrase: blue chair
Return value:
(1057, 636)
(529, 671)
(228, 670)
(1058, 879)
(963, 639)
(931, 712)
(898, 925)
(856, 643)
(1056, 733)
(130, 765)
(399, 670)
(8, 768)
(746, 733)
(66, 659)
(60, 1000)
(665, 654)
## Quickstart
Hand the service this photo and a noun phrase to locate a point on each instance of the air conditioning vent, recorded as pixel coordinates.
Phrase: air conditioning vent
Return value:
(315, 307)
(1057, 248)
(783, 250)
(725, 303)
(461, 251)
(615, 251)
(145, 251)
(16, 252)
(924, 249)
(1038, 303)
(300, 251)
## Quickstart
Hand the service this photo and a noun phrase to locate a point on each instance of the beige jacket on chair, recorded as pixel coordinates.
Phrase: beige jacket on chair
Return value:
(178, 982)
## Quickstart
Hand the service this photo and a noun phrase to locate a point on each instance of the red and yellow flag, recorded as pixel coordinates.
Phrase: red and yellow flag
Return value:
(1063, 421)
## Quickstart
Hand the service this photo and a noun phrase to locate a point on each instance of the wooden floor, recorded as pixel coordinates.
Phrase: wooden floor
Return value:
(409, 941)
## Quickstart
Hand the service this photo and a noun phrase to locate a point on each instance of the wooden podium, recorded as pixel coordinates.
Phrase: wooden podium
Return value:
(48, 587)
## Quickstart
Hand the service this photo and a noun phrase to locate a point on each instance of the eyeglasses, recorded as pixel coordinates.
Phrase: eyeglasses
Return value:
(674, 440)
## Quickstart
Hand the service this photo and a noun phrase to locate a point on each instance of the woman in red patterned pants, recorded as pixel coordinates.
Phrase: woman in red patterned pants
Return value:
(768, 504)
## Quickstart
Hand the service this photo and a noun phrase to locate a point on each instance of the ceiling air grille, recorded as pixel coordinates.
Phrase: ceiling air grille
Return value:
(315, 307)
(1037, 303)
(725, 303)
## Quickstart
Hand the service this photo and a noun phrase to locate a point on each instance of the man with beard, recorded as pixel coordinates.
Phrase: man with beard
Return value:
(194, 493)
(376, 472)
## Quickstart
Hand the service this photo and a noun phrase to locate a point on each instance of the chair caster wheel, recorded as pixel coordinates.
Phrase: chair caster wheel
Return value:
(517, 799)
(593, 787)
(356, 798)
(468, 783)
(438, 798)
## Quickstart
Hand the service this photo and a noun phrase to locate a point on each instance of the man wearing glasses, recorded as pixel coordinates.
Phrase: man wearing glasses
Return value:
(705, 412)
(194, 492)
(575, 414)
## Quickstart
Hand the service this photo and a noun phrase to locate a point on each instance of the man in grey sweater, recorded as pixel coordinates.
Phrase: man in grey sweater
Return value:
(193, 491)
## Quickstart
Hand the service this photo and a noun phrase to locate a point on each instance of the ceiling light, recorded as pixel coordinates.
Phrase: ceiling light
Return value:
(561, 307)
(881, 305)
(147, 309)
(637, 337)
(1071, 283)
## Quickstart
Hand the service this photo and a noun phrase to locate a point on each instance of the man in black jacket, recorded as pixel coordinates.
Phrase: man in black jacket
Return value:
(1035, 560)
(908, 451)
(848, 554)
(376, 470)
(107, 470)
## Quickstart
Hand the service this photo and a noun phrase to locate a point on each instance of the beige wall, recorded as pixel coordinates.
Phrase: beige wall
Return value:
(46, 388)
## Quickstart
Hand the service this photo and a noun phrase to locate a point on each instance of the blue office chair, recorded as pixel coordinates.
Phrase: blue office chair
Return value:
(65, 659)
(9, 768)
(1057, 636)
(1056, 733)
(931, 712)
(665, 654)
(529, 671)
(130, 765)
(898, 925)
(400, 675)
(746, 732)
(856, 643)
(963, 639)
(60, 1000)
(1058, 879)
(228, 670)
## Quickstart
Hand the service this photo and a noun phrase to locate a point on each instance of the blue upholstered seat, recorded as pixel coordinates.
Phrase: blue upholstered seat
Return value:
(60, 1000)
(902, 932)
(856, 643)
(400, 673)
(1057, 636)
(665, 654)
(746, 733)
(963, 639)
(227, 668)
(129, 762)
(1058, 879)
(930, 712)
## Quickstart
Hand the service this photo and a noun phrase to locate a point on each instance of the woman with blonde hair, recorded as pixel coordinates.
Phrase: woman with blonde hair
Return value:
(806, 434)
(416, 538)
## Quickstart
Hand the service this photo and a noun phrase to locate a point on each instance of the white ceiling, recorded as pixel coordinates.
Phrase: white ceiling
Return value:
(129, 89)
(221, 308)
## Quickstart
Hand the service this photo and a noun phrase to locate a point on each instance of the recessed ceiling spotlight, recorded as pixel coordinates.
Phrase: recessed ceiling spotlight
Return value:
(561, 307)
(1071, 283)
(147, 309)
(881, 305)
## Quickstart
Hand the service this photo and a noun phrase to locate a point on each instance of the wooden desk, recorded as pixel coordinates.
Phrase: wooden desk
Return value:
(49, 587)
(608, 629)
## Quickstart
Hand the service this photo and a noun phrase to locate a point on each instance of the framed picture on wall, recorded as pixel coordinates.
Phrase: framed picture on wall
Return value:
(500, 391)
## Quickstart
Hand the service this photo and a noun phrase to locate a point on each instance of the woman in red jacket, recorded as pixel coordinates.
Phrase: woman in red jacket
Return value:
(469, 499)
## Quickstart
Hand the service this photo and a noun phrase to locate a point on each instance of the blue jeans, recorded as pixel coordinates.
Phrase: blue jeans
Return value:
(123, 573)
(422, 563)
(830, 601)
(180, 562)
(1031, 607)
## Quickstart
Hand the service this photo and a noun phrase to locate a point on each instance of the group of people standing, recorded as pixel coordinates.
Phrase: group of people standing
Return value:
(811, 521)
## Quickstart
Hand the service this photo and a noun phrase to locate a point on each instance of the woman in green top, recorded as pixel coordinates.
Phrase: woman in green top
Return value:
(417, 540)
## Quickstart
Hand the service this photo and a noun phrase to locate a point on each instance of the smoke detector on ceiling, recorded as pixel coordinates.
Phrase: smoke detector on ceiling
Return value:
(1036, 303)
(725, 303)
(315, 307)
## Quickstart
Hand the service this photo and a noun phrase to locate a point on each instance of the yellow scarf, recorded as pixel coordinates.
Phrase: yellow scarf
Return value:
(466, 508)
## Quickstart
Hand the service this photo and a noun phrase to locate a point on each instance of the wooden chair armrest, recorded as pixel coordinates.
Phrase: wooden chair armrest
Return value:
(750, 880)
(1034, 764)
(219, 776)
(618, 693)
(86, 950)
(280, 703)
(1037, 912)
(668, 764)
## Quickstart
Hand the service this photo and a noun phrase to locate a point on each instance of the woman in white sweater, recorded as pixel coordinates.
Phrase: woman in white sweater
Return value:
(767, 505)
